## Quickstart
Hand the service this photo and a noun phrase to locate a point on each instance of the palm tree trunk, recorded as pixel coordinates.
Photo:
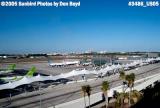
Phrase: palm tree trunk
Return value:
(129, 97)
(106, 97)
(122, 95)
(89, 101)
(84, 102)
(122, 101)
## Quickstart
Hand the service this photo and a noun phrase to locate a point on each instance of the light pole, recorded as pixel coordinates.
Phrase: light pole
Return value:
(40, 96)
(10, 95)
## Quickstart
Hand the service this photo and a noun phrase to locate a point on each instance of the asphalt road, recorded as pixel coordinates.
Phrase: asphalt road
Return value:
(62, 93)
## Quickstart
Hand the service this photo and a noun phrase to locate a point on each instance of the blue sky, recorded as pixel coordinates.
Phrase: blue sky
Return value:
(109, 25)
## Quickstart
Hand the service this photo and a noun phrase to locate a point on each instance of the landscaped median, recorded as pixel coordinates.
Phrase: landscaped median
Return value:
(97, 97)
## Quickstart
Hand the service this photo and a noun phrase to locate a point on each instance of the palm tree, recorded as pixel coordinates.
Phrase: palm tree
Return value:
(135, 96)
(122, 77)
(133, 79)
(105, 88)
(130, 81)
(88, 91)
(119, 99)
(84, 94)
